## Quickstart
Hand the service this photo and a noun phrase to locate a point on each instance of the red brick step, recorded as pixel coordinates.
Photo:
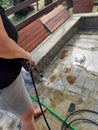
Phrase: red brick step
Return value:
(55, 18)
(32, 35)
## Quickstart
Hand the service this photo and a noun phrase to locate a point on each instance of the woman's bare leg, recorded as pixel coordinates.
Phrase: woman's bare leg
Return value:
(27, 119)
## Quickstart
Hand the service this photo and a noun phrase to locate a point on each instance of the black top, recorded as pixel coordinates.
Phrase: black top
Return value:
(9, 68)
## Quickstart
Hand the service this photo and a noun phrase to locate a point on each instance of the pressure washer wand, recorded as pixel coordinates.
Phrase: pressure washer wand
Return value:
(28, 67)
(39, 99)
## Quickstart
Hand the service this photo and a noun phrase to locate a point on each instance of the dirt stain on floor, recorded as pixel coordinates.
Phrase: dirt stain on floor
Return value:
(63, 54)
(71, 79)
(53, 78)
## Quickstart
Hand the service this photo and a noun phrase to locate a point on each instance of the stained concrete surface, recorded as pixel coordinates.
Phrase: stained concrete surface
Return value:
(72, 77)
(73, 80)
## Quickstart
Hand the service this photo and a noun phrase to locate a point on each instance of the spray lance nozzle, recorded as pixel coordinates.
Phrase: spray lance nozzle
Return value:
(27, 65)
(30, 66)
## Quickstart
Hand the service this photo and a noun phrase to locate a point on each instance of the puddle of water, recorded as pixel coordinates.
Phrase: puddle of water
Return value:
(90, 63)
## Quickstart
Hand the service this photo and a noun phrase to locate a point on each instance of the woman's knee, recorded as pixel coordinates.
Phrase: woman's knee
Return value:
(27, 115)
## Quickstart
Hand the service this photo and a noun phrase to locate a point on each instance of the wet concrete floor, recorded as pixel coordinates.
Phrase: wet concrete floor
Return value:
(72, 77)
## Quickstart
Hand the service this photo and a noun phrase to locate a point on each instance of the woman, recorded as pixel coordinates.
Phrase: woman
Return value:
(13, 95)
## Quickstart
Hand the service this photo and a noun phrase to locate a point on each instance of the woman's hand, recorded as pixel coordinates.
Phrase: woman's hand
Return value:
(28, 64)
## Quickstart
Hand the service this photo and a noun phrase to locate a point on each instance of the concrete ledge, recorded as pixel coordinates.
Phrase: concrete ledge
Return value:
(92, 14)
(52, 45)
(88, 21)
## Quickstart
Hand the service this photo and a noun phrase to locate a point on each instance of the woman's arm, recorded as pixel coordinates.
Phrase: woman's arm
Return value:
(8, 48)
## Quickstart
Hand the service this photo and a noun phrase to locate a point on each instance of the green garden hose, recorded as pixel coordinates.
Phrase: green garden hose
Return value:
(54, 113)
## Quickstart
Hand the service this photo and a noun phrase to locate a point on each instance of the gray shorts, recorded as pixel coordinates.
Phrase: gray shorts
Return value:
(15, 97)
